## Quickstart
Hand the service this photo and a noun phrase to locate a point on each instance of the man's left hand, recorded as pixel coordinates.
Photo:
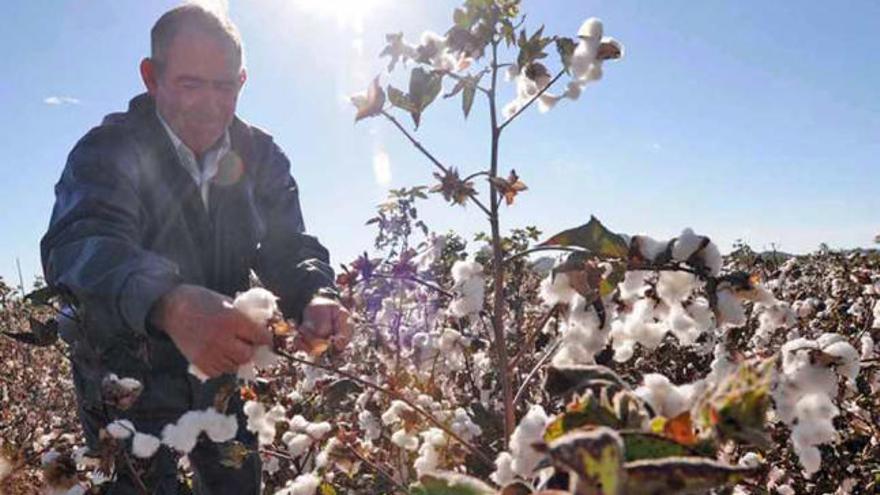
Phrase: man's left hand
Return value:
(327, 319)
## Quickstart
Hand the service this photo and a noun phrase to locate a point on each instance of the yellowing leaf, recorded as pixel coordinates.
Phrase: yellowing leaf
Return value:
(680, 475)
(594, 237)
(447, 483)
(369, 105)
(595, 457)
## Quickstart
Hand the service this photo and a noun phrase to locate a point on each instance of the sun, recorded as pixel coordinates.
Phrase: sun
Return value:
(348, 13)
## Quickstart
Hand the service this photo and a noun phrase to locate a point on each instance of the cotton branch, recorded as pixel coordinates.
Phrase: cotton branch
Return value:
(428, 154)
(531, 100)
(394, 395)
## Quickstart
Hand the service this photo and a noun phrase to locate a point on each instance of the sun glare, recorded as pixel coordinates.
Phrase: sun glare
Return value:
(348, 13)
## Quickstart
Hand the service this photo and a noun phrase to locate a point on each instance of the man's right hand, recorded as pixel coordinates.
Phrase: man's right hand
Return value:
(208, 330)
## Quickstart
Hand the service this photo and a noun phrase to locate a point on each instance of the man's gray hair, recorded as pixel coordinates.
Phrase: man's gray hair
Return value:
(191, 16)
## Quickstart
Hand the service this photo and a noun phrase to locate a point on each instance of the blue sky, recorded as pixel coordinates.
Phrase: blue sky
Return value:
(752, 120)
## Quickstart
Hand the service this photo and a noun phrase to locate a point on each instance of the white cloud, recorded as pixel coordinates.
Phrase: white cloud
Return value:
(61, 100)
(382, 167)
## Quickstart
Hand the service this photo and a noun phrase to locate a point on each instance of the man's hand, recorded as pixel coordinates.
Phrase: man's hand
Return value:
(326, 319)
(208, 330)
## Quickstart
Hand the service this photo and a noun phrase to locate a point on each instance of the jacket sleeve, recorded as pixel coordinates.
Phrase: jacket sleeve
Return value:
(290, 263)
(93, 248)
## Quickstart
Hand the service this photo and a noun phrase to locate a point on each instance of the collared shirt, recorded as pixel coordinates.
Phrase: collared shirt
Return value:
(203, 172)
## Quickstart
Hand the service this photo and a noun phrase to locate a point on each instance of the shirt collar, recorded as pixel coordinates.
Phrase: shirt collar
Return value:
(211, 159)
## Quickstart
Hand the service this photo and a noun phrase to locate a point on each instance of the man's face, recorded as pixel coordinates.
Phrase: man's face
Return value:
(197, 88)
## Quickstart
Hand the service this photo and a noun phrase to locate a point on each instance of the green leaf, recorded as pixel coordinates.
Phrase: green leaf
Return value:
(424, 86)
(595, 457)
(467, 99)
(594, 237)
(400, 99)
(681, 475)
(640, 445)
(326, 489)
(584, 411)
(448, 483)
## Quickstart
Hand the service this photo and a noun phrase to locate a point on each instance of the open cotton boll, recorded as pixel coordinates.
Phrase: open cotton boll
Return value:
(465, 269)
(120, 429)
(685, 245)
(867, 347)
(633, 285)
(503, 473)
(297, 443)
(582, 338)
(674, 287)
(850, 360)
(814, 426)
(591, 28)
(556, 289)
(219, 427)
(144, 445)
(304, 484)
(369, 424)
(730, 309)
(711, 257)
(683, 326)
(258, 304)
(433, 441)
(463, 426)
(772, 318)
(530, 430)
(392, 414)
(405, 440)
(665, 398)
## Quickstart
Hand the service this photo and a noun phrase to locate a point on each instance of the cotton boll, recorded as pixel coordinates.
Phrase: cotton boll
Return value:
(219, 427)
(392, 414)
(674, 287)
(665, 398)
(179, 438)
(318, 430)
(448, 341)
(369, 424)
(429, 455)
(685, 245)
(297, 443)
(463, 270)
(120, 429)
(711, 257)
(730, 310)
(404, 440)
(547, 101)
(503, 470)
(582, 338)
(867, 347)
(304, 484)
(876, 311)
(144, 445)
(322, 460)
(683, 326)
(633, 285)
(556, 289)
(463, 426)
(591, 28)
(850, 360)
(530, 430)
(258, 304)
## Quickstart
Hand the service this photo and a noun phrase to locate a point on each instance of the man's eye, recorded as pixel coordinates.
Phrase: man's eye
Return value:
(191, 84)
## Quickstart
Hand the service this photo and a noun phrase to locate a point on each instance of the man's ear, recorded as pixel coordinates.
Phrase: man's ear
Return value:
(150, 76)
(242, 77)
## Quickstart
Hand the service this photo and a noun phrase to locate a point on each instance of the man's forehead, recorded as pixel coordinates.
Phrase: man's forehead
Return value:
(189, 40)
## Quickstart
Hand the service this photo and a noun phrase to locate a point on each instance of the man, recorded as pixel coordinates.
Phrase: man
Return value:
(161, 213)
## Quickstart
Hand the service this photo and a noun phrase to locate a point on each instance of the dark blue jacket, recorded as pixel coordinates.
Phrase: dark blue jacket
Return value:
(129, 225)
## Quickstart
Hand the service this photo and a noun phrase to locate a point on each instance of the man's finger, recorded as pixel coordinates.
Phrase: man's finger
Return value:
(239, 351)
(252, 333)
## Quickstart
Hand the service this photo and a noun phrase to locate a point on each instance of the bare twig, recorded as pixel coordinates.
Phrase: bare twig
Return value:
(534, 371)
(400, 487)
(531, 337)
(417, 280)
(428, 155)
